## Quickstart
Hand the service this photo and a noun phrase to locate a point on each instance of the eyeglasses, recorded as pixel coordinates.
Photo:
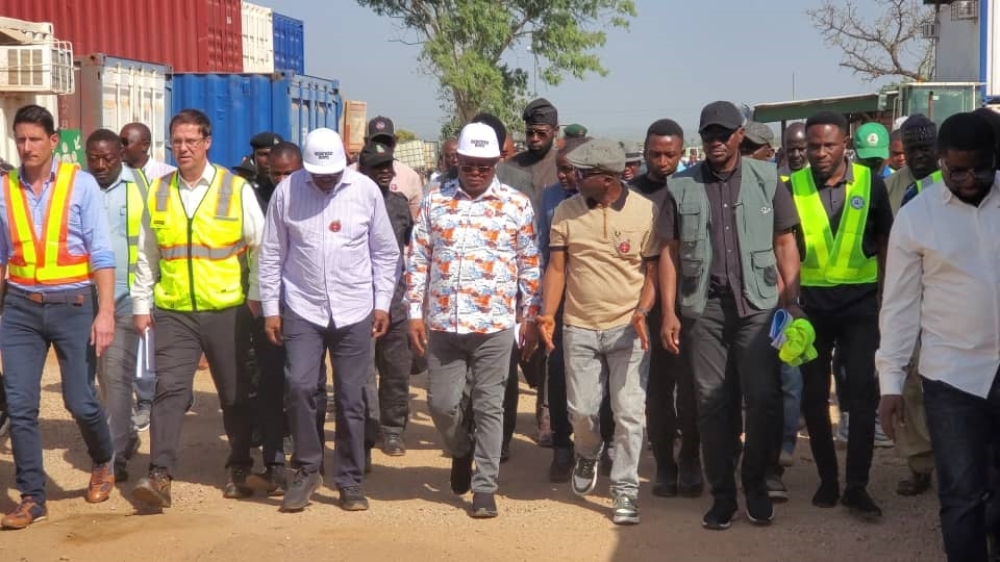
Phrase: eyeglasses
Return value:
(962, 175)
(482, 169)
(543, 132)
(189, 143)
(580, 176)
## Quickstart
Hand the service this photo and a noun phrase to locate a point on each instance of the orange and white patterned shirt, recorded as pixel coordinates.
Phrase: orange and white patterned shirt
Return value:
(473, 260)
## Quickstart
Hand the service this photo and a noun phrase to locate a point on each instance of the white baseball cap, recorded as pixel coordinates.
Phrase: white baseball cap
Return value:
(323, 152)
(478, 140)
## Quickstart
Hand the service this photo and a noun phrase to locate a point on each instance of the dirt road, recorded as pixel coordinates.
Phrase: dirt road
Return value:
(414, 516)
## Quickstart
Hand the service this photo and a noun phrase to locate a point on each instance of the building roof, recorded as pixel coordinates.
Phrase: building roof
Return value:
(802, 109)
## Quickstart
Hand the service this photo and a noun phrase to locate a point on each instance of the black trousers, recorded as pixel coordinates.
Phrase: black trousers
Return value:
(670, 403)
(270, 403)
(856, 339)
(731, 358)
(512, 392)
(181, 338)
(387, 396)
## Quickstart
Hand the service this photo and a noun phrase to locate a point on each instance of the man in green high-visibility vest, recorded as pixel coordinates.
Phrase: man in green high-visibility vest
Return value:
(845, 223)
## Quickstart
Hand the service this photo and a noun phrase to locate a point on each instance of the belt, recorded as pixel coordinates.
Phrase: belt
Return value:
(71, 296)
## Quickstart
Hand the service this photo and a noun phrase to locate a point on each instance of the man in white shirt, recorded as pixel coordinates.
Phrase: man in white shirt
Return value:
(942, 285)
(136, 140)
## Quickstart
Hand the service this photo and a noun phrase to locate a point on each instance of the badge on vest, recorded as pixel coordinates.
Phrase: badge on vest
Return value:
(858, 202)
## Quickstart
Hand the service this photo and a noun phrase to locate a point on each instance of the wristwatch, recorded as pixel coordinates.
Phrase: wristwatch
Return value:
(643, 311)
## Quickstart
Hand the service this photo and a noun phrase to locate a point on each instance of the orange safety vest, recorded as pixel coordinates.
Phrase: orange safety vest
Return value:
(46, 261)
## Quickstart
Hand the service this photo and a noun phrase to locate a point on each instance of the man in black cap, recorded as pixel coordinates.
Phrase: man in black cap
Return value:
(726, 285)
(541, 122)
(261, 144)
(406, 181)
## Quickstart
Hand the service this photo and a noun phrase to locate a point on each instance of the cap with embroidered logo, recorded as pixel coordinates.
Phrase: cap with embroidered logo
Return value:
(478, 140)
(323, 152)
(871, 140)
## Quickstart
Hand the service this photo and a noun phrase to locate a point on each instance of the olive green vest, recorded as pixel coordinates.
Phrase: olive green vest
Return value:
(754, 230)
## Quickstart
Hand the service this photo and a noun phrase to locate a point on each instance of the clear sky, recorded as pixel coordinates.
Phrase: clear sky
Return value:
(676, 57)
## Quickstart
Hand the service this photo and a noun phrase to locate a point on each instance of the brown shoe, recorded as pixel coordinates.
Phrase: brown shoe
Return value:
(27, 513)
(154, 490)
(102, 481)
(237, 486)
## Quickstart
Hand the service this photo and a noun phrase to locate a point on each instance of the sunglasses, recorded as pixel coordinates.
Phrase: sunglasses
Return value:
(720, 135)
(482, 169)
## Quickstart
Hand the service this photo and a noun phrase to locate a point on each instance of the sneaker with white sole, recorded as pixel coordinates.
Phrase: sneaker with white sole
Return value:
(584, 476)
(625, 510)
(882, 440)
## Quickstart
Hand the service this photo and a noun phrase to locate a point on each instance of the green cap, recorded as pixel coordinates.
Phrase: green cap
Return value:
(871, 140)
(575, 130)
(602, 155)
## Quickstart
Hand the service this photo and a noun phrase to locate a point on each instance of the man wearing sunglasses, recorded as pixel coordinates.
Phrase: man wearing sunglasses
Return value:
(541, 121)
(473, 263)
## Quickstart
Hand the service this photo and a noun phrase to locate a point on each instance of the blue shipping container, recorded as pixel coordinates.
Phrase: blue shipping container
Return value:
(242, 105)
(289, 44)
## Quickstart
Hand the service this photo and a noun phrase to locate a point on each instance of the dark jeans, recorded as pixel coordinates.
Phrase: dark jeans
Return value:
(666, 412)
(965, 435)
(270, 406)
(181, 338)
(856, 340)
(27, 329)
(732, 358)
(389, 398)
(306, 345)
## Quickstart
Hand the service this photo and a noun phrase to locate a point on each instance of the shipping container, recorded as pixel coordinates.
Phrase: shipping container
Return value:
(353, 124)
(289, 44)
(189, 35)
(242, 105)
(9, 104)
(113, 92)
(258, 39)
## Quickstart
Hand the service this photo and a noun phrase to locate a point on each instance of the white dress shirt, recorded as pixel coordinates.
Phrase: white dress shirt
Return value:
(154, 169)
(147, 268)
(942, 283)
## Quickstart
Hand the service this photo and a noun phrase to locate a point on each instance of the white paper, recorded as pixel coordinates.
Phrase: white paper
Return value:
(145, 356)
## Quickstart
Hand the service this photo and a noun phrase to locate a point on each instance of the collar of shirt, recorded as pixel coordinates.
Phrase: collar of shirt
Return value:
(992, 198)
(52, 176)
(126, 175)
(207, 175)
(848, 178)
(720, 177)
(453, 189)
(345, 181)
(617, 205)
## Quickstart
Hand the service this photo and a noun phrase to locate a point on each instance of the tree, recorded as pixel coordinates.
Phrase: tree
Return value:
(404, 135)
(466, 45)
(889, 44)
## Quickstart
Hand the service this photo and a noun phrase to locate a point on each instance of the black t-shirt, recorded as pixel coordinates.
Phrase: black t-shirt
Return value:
(850, 300)
(654, 190)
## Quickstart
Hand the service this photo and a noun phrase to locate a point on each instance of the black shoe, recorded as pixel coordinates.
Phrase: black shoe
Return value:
(690, 483)
(719, 517)
(915, 485)
(827, 495)
(484, 505)
(272, 481)
(504, 452)
(352, 498)
(776, 489)
(368, 460)
(665, 484)
(607, 461)
(561, 469)
(461, 474)
(760, 509)
(861, 504)
(299, 492)
(393, 446)
(237, 486)
(121, 471)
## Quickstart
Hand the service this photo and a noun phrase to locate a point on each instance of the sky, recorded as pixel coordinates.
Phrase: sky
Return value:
(675, 58)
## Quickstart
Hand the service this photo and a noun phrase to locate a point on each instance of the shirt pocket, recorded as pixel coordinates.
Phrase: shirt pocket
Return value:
(627, 244)
(690, 217)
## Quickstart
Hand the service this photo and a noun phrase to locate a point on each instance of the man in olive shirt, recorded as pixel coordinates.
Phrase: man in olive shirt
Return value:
(664, 415)
(723, 273)
(541, 120)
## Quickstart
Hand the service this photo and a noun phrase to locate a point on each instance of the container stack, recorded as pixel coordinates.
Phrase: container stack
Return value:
(240, 63)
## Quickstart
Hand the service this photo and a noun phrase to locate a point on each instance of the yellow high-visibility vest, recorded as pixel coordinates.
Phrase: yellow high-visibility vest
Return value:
(45, 261)
(135, 205)
(202, 259)
(834, 260)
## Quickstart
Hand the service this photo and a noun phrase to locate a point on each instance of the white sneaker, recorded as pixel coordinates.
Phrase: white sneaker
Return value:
(882, 440)
(584, 476)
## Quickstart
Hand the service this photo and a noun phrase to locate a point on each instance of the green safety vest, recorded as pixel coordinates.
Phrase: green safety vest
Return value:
(834, 260)
(754, 229)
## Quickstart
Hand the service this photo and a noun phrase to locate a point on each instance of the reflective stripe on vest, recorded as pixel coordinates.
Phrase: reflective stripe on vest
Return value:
(46, 261)
(928, 181)
(830, 260)
(202, 258)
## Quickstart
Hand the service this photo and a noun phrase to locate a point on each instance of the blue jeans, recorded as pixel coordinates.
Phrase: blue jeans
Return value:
(791, 390)
(965, 432)
(26, 332)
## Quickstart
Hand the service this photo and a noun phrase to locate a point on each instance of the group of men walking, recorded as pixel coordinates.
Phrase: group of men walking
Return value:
(668, 283)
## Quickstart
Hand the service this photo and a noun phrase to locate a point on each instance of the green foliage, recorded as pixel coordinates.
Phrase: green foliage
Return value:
(466, 45)
(404, 135)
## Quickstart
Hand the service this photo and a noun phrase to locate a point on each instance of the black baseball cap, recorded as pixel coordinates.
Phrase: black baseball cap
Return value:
(265, 140)
(374, 154)
(720, 113)
(381, 127)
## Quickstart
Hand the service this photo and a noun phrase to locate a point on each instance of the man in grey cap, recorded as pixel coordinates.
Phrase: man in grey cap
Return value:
(726, 285)
(633, 161)
(605, 336)
(758, 142)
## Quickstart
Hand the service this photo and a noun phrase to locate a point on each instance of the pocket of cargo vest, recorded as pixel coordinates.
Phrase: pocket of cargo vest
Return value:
(767, 264)
(690, 217)
(691, 272)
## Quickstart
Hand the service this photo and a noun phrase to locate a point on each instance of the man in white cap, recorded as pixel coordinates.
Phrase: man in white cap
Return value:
(473, 254)
(330, 262)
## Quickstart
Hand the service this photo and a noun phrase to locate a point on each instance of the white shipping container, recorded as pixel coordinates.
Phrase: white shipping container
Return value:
(9, 104)
(258, 39)
(113, 92)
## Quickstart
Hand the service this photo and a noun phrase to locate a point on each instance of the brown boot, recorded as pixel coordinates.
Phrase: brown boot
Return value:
(102, 481)
(154, 490)
(27, 512)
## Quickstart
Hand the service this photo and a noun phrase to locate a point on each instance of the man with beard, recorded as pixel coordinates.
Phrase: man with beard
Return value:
(541, 120)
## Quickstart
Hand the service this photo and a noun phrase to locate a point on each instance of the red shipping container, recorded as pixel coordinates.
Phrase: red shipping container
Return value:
(190, 35)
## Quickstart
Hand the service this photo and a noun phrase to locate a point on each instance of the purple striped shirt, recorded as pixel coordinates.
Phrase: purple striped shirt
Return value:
(329, 256)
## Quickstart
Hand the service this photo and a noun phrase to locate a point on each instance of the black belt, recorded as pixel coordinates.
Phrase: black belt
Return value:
(69, 296)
